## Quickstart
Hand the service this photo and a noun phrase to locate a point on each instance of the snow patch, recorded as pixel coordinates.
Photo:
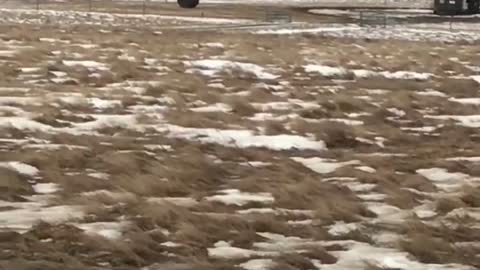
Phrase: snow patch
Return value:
(323, 166)
(212, 67)
(20, 167)
(243, 138)
(239, 198)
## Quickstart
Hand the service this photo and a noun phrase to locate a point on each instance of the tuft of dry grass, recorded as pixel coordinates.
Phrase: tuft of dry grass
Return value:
(13, 185)
(241, 106)
(293, 261)
(445, 205)
(275, 128)
(334, 134)
(471, 196)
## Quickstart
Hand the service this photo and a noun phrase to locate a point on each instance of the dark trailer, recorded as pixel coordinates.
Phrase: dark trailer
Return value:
(456, 7)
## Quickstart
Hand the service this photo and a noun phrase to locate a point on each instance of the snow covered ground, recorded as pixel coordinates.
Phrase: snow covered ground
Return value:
(126, 144)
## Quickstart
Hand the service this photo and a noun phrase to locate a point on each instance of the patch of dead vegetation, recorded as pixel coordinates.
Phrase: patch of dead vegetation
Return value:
(13, 185)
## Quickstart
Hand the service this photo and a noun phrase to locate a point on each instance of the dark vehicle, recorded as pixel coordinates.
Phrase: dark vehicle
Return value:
(456, 7)
(190, 3)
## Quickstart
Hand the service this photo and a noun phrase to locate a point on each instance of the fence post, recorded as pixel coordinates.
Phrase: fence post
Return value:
(89, 5)
(385, 22)
(361, 18)
(37, 5)
(144, 7)
(451, 23)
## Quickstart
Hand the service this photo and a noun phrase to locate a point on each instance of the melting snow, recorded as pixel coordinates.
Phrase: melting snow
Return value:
(366, 169)
(328, 71)
(386, 258)
(469, 101)
(243, 138)
(236, 197)
(342, 228)
(470, 159)
(28, 214)
(90, 65)
(472, 121)
(224, 250)
(20, 167)
(444, 179)
(258, 264)
(217, 107)
(323, 166)
(212, 67)
(110, 230)
(45, 188)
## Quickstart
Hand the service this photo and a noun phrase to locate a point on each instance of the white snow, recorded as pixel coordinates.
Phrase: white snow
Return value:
(431, 92)
(468, 101)
(217, 107)
(323, 166)
(182, 201)
(441, 175)
(110, 230)
(90, 65)
(101, 104)
(212, 67)
(366, 169)
(236, 197)
(472, 121)
(223, 250)
(397, 112)
(99, 175)
(342, 228)
(328, 71)
(27, 214)
(443, 179)
(470, 159)
(217, 45)
(243, 138)
(45, 188)
(20, 167)
(258, 264)
(387, 258)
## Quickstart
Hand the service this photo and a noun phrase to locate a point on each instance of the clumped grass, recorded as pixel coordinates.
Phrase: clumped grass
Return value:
(437, 244)
(293, 261)
(241, 106)
(445, 205)
(13, 185)
(471, 196)
(275, 128)
(334, 134)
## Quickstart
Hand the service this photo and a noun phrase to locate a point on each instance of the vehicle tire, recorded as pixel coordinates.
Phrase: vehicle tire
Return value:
(188, 3)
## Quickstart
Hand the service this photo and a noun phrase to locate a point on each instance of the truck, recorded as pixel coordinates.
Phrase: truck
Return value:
(456, 7)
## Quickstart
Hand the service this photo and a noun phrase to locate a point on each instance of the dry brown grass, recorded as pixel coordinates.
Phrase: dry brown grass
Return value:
(334, 134)
(13, 185)
(471, 196)
(293, 261)
(241, 106)
(437, 244)
(200, 120)
(275, 128)
(189, 170)
(458, 87)
(445, 205)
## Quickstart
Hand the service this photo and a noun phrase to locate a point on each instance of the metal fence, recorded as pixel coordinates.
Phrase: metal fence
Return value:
(386, 19)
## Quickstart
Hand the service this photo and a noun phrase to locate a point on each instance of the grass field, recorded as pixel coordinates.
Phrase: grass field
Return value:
(128, 146)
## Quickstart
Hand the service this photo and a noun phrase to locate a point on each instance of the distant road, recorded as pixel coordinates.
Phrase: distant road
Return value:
(328, 3)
